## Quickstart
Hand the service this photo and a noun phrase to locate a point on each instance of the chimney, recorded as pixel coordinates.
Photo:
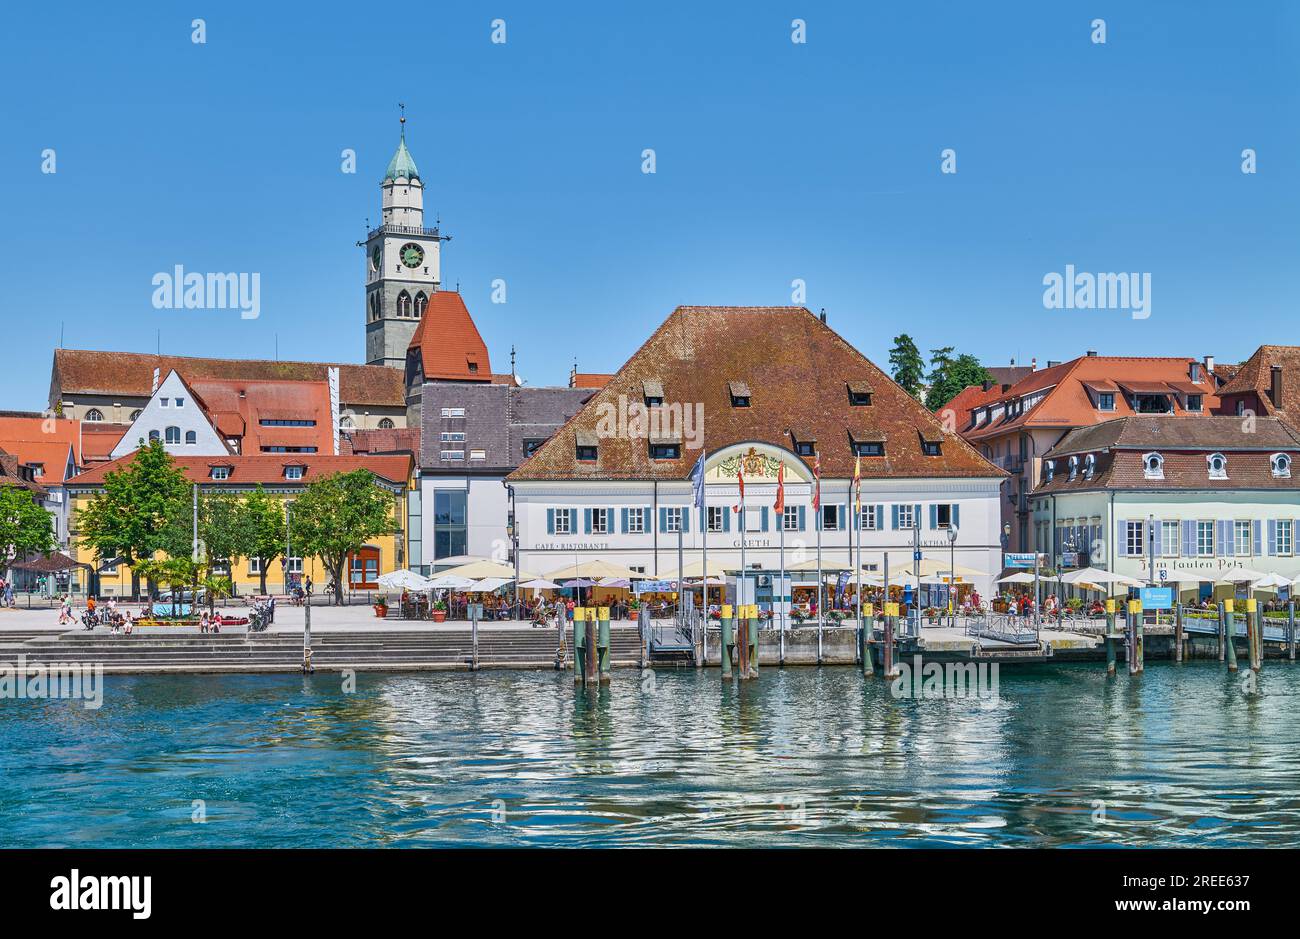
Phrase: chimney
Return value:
(988, 385)
(1033, 364)
(1209, 364)
(1275, 388)
(822, 315)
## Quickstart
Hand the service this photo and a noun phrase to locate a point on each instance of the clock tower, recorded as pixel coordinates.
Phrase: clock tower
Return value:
(402, 264)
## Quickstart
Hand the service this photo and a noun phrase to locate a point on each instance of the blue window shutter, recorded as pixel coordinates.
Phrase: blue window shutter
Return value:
(1121, 537)
(1160, 539)
(663, 519)
(726, 518)
(1189, 538)
(893, 512)
(1230, 548)
(647, 520)
(916, 516)
(934, 516)
(1271, 547)
(880, 517)
(956, 515)
(624, 519)
(686, 519)
(1258, 527)
(586, 521)
(573, 520)
(803, 522)
(764, 518)
(842, 523)
(550, 521)
(1221, 537)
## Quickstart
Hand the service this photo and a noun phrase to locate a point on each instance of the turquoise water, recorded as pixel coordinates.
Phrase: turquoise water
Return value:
(1179, 756)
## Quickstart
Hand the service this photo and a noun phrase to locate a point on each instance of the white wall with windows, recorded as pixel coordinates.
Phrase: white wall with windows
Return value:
(172, 417)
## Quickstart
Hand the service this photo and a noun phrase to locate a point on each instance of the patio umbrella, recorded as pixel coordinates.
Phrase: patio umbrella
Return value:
(931, 567)
(579, 582)
(614, 582)
(1240, 575)
(1092, 576)
(540, 583)
(1020, 577)
(1272, 582)
(695, 569)
(487, 585)
(594, 570)
(1194, 576)
(403, 580)
(477, 570)
(449, 582)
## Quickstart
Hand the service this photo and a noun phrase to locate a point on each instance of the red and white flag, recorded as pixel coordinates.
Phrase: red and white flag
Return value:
(779, 507)
(817, 481)
(740, 481)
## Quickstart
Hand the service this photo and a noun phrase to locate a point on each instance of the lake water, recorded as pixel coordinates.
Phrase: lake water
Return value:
(804, 756)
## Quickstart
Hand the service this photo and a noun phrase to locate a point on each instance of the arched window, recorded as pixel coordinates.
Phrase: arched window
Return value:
(172, 435)
(403, 304)
(1281, 464)
(1153, 466)
(1074, 466)
(94, 414)
(1051, 469)
(1089, 465)
(386, 423)
(153, 435)
(421, 301)
(1218, 465)
(345, 422)
(135, 415)
(374, 305)
(191, 437)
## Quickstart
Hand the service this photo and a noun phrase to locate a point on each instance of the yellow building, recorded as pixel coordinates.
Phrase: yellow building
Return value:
(282, 475)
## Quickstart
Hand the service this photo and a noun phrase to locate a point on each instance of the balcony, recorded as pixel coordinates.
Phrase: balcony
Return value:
(405, 230)
(1012, 464)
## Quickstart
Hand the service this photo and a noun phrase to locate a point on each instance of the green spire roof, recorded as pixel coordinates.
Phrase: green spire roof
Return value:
(402, 163)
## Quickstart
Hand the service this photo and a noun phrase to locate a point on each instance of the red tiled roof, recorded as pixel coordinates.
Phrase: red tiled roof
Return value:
(267, 469)
(52, 457)
(798, 370)
(98, 440)
(1255, 375)
(588, 380)
(382, 440)
(239, 406)
(1068, 404)
(449, 344)
(11, 475)
(83, 371)
(17, 431)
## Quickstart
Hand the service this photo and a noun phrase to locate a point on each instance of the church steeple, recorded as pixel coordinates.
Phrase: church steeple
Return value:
(402, 165)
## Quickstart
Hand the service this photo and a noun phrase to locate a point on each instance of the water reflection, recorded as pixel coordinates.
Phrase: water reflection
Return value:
(1065, 755)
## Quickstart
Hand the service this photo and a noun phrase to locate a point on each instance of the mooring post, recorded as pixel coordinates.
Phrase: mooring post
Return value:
(1223, 616)
(593, 653)
(1137, 657)
(753, 640)
(579, 645)
(1290, 629)
(891, 615)
(1254, 633)
(1178, 632)
(1110, 636)
(742, 642)
(866, 624)
(602, 644)
(1230, 629)
(725, 640)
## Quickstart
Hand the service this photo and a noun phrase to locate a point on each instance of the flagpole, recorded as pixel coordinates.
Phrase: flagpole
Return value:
(817, 512)
(704, 559)
(780, 527)
(857, 571)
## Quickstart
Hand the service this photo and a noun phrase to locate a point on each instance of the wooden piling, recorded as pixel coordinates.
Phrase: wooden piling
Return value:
(579, 645)
(891, 614)
(602, 644)
(752, 634)
(1290, 629)
(866, 624)
(1178, 631)
(1230, 632)
(727, 640)
(1255, 633)
(1223, 615)
(1136, 656)
(1110, 636)
(742, 643)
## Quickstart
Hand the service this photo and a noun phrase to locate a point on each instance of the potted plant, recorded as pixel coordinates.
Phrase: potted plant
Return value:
(633, 609)
(715, 614)
(932, 614)
(439, 611)
(836, 617)
(798, 616)
(381, 609)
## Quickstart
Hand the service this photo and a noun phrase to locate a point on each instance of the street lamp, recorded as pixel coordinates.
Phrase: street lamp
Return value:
(1006, 543)
(952, 575)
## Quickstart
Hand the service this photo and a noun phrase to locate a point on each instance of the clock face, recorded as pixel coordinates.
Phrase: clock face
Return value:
(412, 255)
(376, 255)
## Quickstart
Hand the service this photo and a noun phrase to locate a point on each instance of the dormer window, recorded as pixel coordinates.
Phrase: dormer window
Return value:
(1281, 464)
(1050, 467)
(293, 472)
(220, 472)
(739, 394)
(1218, 465)
(586, 448)
(931, 443)
(1106, 401)
(1195, 403)
(653, 393)
(1153, 466)
(805, 446)
(665, 450)
(1074, 467)
(1089, 465)
(867, 444)
(859, 394)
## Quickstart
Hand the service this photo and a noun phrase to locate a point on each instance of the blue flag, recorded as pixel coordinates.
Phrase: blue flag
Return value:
(697, 480)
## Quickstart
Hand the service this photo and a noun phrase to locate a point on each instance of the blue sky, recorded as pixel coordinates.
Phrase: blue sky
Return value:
(775, 161)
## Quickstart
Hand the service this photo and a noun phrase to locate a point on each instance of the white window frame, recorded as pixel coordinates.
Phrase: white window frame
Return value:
(1280, 465)
(221, 472)
(1170, 536)
(1135, 535)
(293, 472)
(790, 518)
(715, 517)
(834, 509)
(636, 521)
(906, 516)
(938, 520)
(1285, 538)
(1147, 471)
(673, 519)
(1246, 548)
(600, 521)
(869, 520)
(1204, 547)
(562, 522)
(1222, 472)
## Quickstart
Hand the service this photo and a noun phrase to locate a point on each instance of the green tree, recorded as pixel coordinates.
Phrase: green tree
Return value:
(139, 513)
(261, 525)
(336, 515)
(949, 374)
(906, 364)
(25, 527)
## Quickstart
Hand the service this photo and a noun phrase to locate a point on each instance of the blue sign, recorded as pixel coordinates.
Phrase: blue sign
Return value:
(1157, 598)
(1022, 560)
(653, 586)
(916, 555)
